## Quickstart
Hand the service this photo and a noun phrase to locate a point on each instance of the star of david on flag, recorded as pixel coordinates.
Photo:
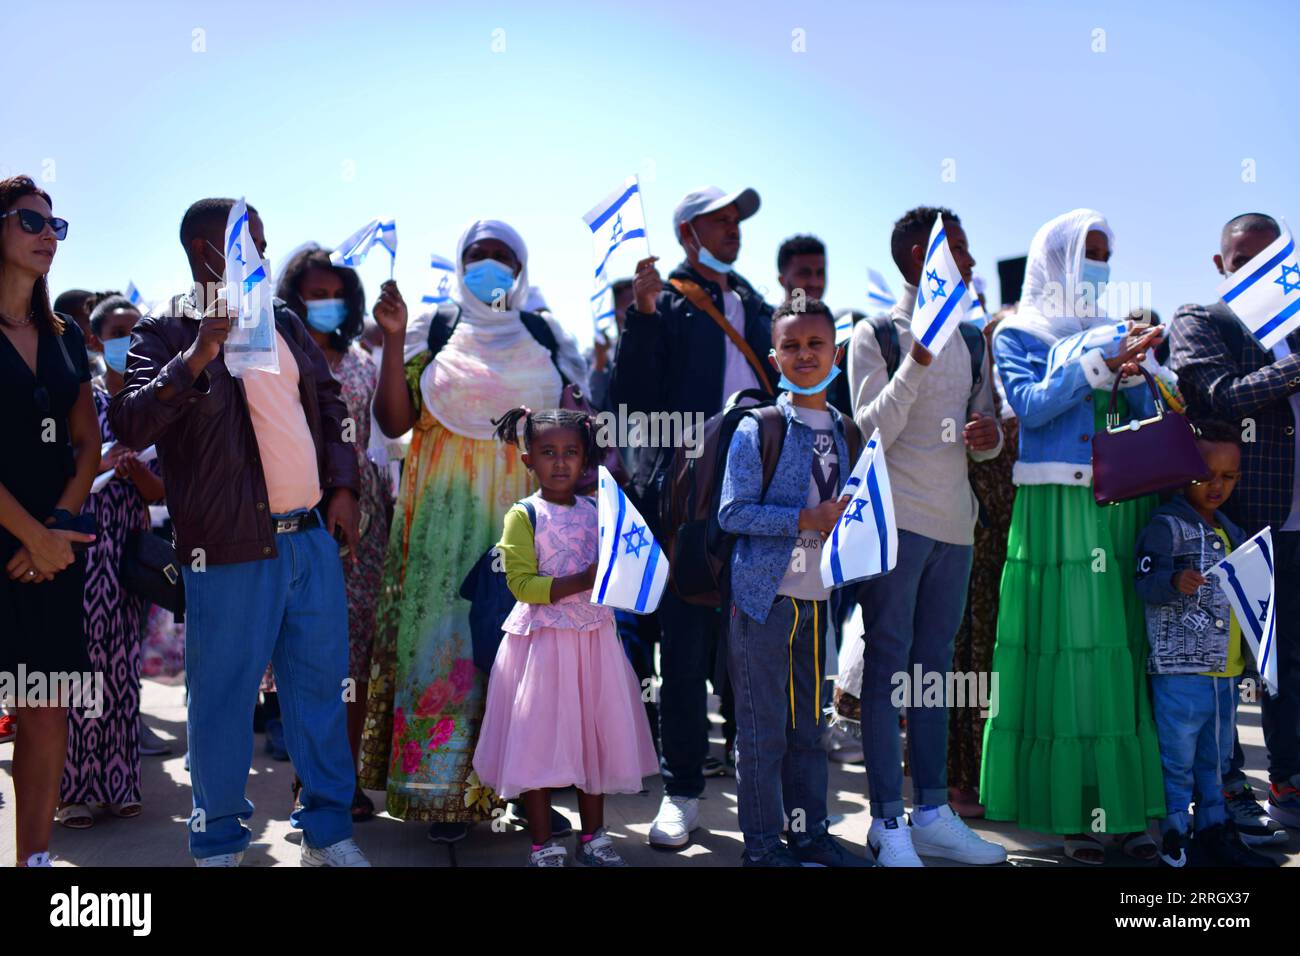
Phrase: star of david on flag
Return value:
(444, 277)
(617, 225)
(632, 569)
(1246, 577)
(1264, 294)
(941, 298)
(864, 542)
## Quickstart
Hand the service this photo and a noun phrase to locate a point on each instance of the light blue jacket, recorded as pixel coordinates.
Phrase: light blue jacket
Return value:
(1056, 411)
(767, 525)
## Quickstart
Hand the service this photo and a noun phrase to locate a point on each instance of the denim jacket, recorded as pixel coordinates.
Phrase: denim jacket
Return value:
(767, 525)
(1056, 410)
(1188, 632)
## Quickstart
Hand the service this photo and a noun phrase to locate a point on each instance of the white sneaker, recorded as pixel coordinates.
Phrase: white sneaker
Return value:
(950, 839)
(599, 851)
(677, 817)
(344, 853)
(890, 840)
(221, 859)
(551, 853)
(41, 859)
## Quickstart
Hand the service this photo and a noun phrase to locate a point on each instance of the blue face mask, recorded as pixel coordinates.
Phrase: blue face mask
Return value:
(115, 353)
(821, 386)
(1096, 274)
(708, 259)
(326, 315)
(488, 278)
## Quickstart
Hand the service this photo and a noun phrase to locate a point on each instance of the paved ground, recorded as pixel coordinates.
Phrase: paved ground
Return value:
(157, 837)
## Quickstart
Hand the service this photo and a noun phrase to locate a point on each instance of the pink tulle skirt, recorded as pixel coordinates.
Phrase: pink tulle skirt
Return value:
(564, 709)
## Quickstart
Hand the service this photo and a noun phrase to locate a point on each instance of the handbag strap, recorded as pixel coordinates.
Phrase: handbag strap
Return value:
(700, 299)
(1112, 413)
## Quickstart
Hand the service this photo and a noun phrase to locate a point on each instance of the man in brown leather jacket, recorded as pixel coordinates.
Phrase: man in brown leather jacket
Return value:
(251, 462)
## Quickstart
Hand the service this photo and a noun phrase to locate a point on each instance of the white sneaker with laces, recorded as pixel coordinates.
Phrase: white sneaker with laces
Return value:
(677, 817)
(344, 853)
(41, 859)
(948, 838)
(221, 859)
(599, 851)
(890, 840)
(551, 853)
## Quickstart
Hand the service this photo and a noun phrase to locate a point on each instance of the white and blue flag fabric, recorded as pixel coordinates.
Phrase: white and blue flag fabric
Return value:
(602, 310)
(618, 235)
(865, 541)
(1246, 576)
(444, 280)
(137, 299)
(632, 570)
(353, 250)
(975, 310)
(1264, 294)
(879, 297)
(250, 344)
(941, 294)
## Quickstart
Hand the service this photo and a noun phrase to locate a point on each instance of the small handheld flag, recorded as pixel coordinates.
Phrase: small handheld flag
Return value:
(444, 276)
(602, 310)
(250, 343)
(1264, 294)
(940, 294)
(136, 299)
(975, 310)
(353, 250)
(879, 296)
(615, 221)
(1246, 576)
(865, 541)
(633, 569)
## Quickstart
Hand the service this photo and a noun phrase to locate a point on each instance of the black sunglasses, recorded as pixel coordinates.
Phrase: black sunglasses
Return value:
(33, 222)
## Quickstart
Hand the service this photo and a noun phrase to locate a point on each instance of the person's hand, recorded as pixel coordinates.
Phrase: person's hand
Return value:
(590, 575)
(116, 453)
(124, 465)
(48, 552)
(213, 329)
(825, 516)
(600, 354)
(343, 513)
(980, 433)
(390, 311)
(646, 285)
(920, 354)
(21, 568)
(1134, 351)
(1187, 582)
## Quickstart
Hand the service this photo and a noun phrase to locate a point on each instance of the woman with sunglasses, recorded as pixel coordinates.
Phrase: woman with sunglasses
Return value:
(50, 434)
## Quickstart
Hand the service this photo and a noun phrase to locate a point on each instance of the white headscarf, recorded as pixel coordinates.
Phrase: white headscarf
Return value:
(492, 363)
(1052, 278)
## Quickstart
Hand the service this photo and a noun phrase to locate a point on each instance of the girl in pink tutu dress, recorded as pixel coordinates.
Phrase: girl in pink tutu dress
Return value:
(563, 705)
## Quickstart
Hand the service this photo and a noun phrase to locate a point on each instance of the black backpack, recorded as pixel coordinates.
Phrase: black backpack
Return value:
(490, 601)
(891, 351)
(447, 316)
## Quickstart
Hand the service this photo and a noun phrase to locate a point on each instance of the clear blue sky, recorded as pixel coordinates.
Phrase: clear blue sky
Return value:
(325, 114)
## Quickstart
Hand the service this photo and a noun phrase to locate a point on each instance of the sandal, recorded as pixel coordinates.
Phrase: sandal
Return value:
(1139, 846)
(125, 811)
(1082, 848)
(75, 816)
(363, 808)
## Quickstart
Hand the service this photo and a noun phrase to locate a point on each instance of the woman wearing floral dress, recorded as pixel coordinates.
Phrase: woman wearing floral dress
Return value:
(426, 697)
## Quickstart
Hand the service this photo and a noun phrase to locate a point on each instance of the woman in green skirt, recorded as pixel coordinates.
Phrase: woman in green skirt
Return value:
(1071, 747)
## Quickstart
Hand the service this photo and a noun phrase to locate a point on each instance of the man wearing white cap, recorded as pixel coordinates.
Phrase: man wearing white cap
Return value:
(685, 348)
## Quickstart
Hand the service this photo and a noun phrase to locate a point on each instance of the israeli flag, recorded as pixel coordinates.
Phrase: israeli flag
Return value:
(137, 300)
(633, 569)
(444, 277)
(865, 541)
(1264, 294)
(1246, 576)
(975, 311)
(353, 250)
(616, 221)
(248, 280)
(844, 327)
(941, 295)
(878, 294)
(602, 310)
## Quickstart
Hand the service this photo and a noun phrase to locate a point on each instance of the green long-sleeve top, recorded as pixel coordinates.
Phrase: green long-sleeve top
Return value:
(519, 556)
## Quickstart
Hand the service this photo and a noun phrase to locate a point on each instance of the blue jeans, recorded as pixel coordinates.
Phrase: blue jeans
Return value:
(1194, 718)
(290, 610)
(689, 635)
(781, 764)
(911, 616)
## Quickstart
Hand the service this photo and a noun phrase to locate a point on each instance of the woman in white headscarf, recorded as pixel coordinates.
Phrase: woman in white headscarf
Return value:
(1071, 748)
(425, 696)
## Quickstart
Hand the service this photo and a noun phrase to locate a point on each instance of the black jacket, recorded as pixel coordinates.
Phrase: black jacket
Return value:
(675, 359)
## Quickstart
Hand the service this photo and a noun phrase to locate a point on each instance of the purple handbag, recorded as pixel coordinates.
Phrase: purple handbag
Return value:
(1137, 458)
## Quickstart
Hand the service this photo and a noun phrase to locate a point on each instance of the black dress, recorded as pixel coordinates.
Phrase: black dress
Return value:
(41, 625)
